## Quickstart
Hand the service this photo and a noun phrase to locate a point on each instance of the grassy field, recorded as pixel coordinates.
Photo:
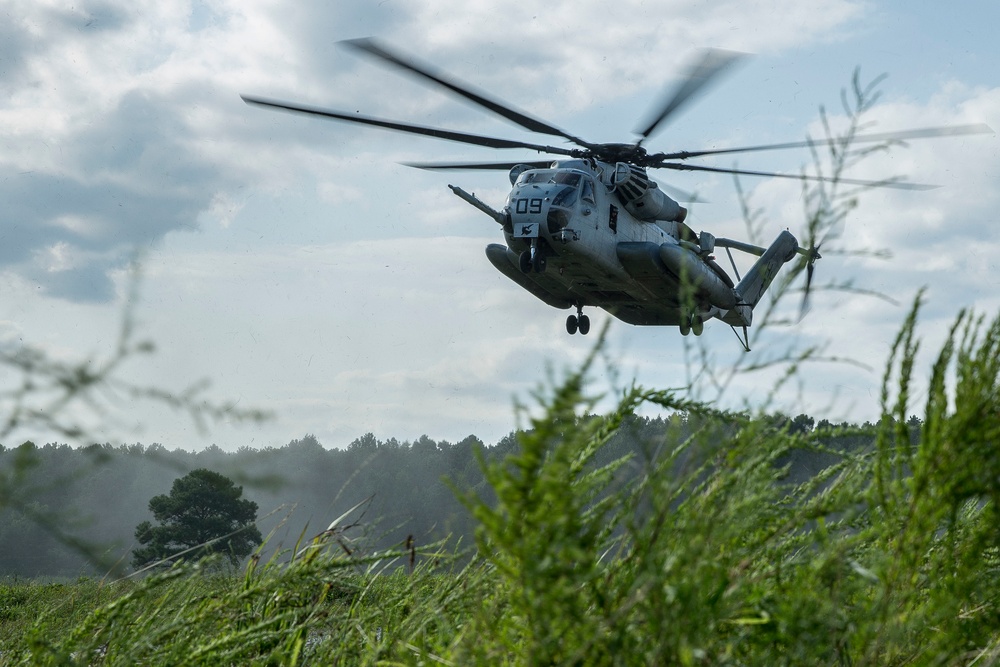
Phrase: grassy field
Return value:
(889, 556)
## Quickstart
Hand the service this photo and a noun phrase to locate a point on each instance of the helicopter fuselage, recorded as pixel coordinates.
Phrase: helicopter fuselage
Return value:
(572, 240)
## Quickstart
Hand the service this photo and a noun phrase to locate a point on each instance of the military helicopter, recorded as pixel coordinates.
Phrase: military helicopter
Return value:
(591, 229)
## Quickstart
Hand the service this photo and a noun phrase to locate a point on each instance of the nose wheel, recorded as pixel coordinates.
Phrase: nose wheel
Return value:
(524, 261)
(578, 322)
(533, 259)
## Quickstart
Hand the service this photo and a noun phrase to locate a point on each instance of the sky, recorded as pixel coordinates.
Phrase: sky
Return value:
(299, 268)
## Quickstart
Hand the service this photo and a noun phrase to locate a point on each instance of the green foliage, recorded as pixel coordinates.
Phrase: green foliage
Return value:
(59, 608)
(203, 513)
(315, 604)
(698, 549)
(547, 531)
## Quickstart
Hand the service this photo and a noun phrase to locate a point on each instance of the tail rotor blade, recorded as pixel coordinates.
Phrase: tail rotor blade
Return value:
(810, 269)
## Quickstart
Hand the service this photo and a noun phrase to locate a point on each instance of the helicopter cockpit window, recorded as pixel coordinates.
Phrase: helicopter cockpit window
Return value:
(535, 176)
(560, 177)
(587, 192)
(566, 178)
(566, 197)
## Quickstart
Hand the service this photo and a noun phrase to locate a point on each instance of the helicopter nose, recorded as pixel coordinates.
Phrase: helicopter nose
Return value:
(556, 219)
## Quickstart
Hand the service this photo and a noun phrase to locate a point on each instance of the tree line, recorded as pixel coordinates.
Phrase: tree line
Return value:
(408, 490)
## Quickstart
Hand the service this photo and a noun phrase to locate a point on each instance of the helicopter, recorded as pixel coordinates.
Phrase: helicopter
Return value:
(589, 228)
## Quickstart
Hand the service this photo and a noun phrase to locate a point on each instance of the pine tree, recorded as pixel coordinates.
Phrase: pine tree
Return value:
(204, 513)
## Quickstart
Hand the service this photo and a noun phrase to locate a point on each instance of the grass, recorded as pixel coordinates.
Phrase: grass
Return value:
(30, 608)
(888, 556)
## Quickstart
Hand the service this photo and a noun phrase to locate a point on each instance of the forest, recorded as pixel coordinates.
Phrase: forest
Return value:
(409, 489)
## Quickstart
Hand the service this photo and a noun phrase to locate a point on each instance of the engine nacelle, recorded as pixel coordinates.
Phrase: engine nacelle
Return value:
(642, 197)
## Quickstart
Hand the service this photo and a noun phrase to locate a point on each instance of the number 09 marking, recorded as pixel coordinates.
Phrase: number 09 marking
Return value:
(526, 205)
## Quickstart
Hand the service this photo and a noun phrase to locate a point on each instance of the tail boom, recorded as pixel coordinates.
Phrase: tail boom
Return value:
(759, 278)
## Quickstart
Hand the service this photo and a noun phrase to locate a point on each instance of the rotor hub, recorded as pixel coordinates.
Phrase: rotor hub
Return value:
(620, 153)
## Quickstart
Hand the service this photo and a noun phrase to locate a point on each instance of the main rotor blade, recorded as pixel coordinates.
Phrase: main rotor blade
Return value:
(409, 64)
(459, 166)
(461, 137)
(923, 133)
(682, 196)
(712, 63)
(800, 177)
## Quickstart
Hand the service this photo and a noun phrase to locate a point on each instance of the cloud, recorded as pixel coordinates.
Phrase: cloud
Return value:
(112, 131)
(122, 124)
(568, 56)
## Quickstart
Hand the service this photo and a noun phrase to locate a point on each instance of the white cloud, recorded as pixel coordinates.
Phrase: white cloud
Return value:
(566, 52)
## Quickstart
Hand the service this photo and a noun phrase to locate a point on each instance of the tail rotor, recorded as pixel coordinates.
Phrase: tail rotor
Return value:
(811, 257)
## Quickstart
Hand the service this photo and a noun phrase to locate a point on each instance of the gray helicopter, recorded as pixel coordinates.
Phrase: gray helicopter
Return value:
(591, 229)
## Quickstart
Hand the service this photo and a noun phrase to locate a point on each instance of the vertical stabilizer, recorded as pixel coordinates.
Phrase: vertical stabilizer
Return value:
(760, 275)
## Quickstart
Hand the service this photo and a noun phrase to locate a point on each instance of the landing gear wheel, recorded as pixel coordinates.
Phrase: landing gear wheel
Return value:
(578, 322)
(538, 263)
(524, 261)
(697, 325)
(685, 325)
